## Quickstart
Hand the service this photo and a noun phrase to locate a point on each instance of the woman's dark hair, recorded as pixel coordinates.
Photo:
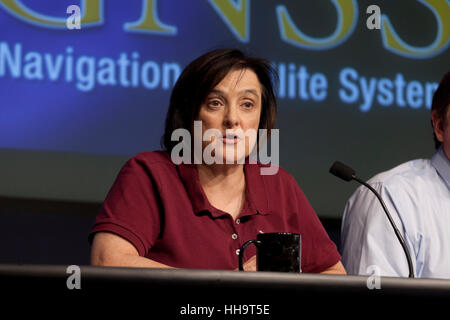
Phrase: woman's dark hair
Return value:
(441, 102)
(200, 77)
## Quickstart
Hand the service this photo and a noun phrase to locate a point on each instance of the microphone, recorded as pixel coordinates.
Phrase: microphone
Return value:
(346, 173)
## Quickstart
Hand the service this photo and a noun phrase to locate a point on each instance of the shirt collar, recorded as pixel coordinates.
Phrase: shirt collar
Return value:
(256, 201)
(442, 165)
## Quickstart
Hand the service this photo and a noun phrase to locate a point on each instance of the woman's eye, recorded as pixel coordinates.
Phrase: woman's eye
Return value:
(247, 105)
(214, 103)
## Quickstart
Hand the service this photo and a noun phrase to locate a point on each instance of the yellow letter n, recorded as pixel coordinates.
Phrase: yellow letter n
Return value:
(236, 14)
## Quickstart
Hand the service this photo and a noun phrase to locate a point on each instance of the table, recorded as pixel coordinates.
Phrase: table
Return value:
(171, 290)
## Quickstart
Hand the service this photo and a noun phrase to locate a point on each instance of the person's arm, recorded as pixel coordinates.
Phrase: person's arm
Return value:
(338, 268)
(368, 240)
(319, 252)
(109, 249)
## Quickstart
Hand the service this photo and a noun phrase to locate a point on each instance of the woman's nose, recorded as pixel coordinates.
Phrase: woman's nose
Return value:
(231, 118)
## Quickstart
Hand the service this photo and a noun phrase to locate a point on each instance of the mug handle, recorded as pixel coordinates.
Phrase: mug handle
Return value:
(241, 251)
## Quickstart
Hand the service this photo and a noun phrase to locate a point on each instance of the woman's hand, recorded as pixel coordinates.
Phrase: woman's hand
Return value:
(250, 264)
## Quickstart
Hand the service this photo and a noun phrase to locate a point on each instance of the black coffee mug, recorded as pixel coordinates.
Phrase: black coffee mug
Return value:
(278, 251)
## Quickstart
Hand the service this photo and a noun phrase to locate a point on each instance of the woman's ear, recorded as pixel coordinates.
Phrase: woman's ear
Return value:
(438, 125)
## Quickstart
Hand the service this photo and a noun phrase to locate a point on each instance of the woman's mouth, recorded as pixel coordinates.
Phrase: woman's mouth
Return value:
(230, 139)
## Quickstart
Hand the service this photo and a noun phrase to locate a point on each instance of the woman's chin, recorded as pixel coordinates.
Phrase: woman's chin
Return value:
(234, 159)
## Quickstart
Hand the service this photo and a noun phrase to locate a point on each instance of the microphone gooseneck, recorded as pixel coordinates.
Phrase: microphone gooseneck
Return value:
(346, 173)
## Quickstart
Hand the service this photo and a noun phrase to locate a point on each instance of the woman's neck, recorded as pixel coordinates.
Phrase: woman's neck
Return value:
(220, 176)
(224, 186)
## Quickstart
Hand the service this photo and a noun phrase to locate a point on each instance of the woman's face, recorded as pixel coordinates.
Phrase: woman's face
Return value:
(233, 109)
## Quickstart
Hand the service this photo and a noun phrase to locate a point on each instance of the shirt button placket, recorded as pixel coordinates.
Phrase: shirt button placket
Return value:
(234, 236)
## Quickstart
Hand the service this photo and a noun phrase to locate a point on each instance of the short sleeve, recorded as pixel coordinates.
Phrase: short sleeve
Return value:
(319, 252)
(131, 208)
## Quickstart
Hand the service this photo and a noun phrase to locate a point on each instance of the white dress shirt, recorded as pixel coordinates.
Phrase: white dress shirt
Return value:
(417, 195)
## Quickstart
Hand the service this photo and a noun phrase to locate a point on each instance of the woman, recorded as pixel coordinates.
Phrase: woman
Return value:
(197, 215)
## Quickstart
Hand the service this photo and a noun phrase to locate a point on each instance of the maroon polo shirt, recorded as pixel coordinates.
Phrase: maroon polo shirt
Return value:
(162, 210)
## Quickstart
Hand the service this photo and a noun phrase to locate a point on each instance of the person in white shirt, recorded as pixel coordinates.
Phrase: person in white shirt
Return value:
(417, 194)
